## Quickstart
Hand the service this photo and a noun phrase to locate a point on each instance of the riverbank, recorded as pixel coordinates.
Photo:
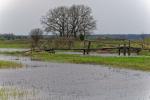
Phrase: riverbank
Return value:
(135, 62)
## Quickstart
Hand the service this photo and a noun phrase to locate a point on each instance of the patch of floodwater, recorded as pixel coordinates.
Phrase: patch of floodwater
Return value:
(12, 49)
(56, 81)
(98, 54)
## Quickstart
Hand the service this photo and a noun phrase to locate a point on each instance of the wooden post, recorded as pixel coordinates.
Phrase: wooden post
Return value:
(124, 50)
(129, 48)
(88, 49)
(137, 52)
(83, 51)
(119, 50)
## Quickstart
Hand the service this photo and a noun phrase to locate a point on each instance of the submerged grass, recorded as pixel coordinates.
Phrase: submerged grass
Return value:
(12, 93)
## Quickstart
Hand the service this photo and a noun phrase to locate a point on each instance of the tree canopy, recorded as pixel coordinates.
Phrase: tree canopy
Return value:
(69, 21)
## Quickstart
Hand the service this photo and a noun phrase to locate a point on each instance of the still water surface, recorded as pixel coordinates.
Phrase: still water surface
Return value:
(58, 81)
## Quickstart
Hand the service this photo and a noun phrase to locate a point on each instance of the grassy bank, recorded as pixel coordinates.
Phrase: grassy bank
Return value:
(137, 63)
(8, 64)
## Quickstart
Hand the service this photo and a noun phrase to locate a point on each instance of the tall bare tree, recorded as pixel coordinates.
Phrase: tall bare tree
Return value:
(82, 21)
(69, 22)
(36, 35)
(55, 21)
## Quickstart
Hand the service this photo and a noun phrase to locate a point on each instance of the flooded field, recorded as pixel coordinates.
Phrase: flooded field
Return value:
(59, 81)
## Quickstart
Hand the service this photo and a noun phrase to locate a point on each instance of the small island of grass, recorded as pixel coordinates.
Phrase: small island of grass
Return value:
(9, 64)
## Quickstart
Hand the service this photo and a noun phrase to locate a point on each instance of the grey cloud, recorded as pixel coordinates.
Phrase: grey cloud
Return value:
(113, 16)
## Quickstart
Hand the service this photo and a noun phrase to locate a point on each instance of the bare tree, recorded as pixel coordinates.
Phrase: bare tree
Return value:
(56, 20)
(69, 22)
(36, 35)
(82, 21)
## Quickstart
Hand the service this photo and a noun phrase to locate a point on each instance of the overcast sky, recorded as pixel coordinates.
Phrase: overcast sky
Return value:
(113, 16)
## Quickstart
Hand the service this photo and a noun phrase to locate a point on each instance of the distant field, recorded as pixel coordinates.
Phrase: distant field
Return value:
(75, 44)
(94, 44)
(14, 44)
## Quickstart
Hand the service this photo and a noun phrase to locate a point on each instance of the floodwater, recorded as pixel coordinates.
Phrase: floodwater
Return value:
(98, 54)
(77, 53)
(60, 81)
(12, 49)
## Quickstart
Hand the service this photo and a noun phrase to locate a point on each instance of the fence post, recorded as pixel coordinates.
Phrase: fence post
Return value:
(129, 49)
(124, 49)
(83, 51)
(88, 49)
(119, 50)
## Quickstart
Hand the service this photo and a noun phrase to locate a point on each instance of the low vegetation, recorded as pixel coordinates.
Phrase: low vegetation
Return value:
(67, 43)
(137, 63)
(9, 64)
(14, 44)
(145, 53)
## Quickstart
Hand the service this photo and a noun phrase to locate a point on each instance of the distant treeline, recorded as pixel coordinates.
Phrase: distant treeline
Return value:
(119, 36)
(12, 37)
(92, 37)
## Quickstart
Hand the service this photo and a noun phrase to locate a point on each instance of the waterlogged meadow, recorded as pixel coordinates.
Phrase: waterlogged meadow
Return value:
(69, 57)
(43, 78)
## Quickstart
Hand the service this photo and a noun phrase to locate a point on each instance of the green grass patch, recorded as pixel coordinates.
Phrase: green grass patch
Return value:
(137, 63)
(9, 64)
(14, 44)
(145, 53)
